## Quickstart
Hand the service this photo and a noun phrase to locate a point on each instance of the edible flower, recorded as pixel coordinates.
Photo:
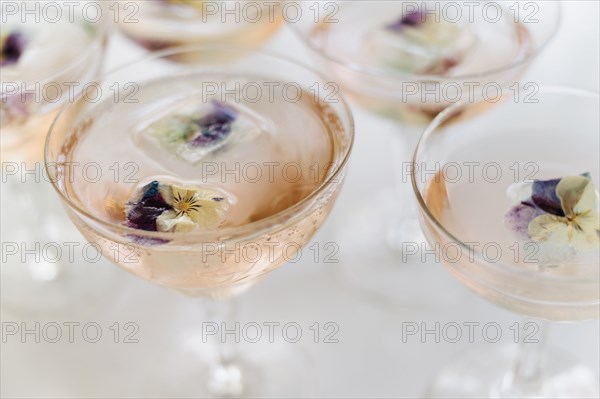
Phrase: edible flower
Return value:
(172, 208)
(561, 212)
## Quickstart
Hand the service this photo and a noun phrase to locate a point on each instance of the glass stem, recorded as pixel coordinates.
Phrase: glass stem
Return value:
(225, 375)
(402, 151)
(404, 228)
(525, 378)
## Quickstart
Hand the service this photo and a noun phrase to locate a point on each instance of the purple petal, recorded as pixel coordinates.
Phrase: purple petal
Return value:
(142, 215)
(215, 126)
(544, 196)
(147, 241)
(519, 217)
(12, 48)
(18, 106)
(411, 19)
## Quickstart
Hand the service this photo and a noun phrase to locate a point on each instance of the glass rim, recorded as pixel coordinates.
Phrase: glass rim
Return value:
(105, 27)
(438, 121)
(255, 227)
(403, 76)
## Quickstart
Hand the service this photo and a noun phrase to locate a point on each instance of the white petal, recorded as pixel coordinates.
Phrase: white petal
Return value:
(169, 222)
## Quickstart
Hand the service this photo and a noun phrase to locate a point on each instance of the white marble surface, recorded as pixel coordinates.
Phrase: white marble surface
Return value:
(370, 359)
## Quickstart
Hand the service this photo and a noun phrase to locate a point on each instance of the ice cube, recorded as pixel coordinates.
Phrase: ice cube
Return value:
(431, 46)
(196, 135)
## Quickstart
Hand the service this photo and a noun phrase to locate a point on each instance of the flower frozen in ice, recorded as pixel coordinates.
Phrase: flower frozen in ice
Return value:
(171, 208)
(191, 207)
(195, 135)
(421, 42)
(561, 212)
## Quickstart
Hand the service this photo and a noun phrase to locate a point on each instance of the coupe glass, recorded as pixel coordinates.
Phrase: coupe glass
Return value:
(157, 25)
(354, 42)
(36, 275)
(203, 264)
(476, 220)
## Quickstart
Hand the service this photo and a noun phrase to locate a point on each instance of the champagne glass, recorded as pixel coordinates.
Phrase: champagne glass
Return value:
(40, 71)
(407, 61)
(513, 229)
(157, 25)
(264, 168)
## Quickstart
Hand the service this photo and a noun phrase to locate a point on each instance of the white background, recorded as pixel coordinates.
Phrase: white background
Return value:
(370, 358)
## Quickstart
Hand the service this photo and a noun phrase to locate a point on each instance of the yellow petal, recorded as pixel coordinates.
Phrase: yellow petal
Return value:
(587, 202)
(212, 210)
(544, 226)
(576, 195)
(184, 193)
(174, 194)
(206, 208)
(586, 234)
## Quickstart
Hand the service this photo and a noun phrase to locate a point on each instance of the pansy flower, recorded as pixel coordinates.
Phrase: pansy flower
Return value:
(560, 212)
(191, 208)
(419, 42)
(194, 136)
(171, 208)
(213, 127)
